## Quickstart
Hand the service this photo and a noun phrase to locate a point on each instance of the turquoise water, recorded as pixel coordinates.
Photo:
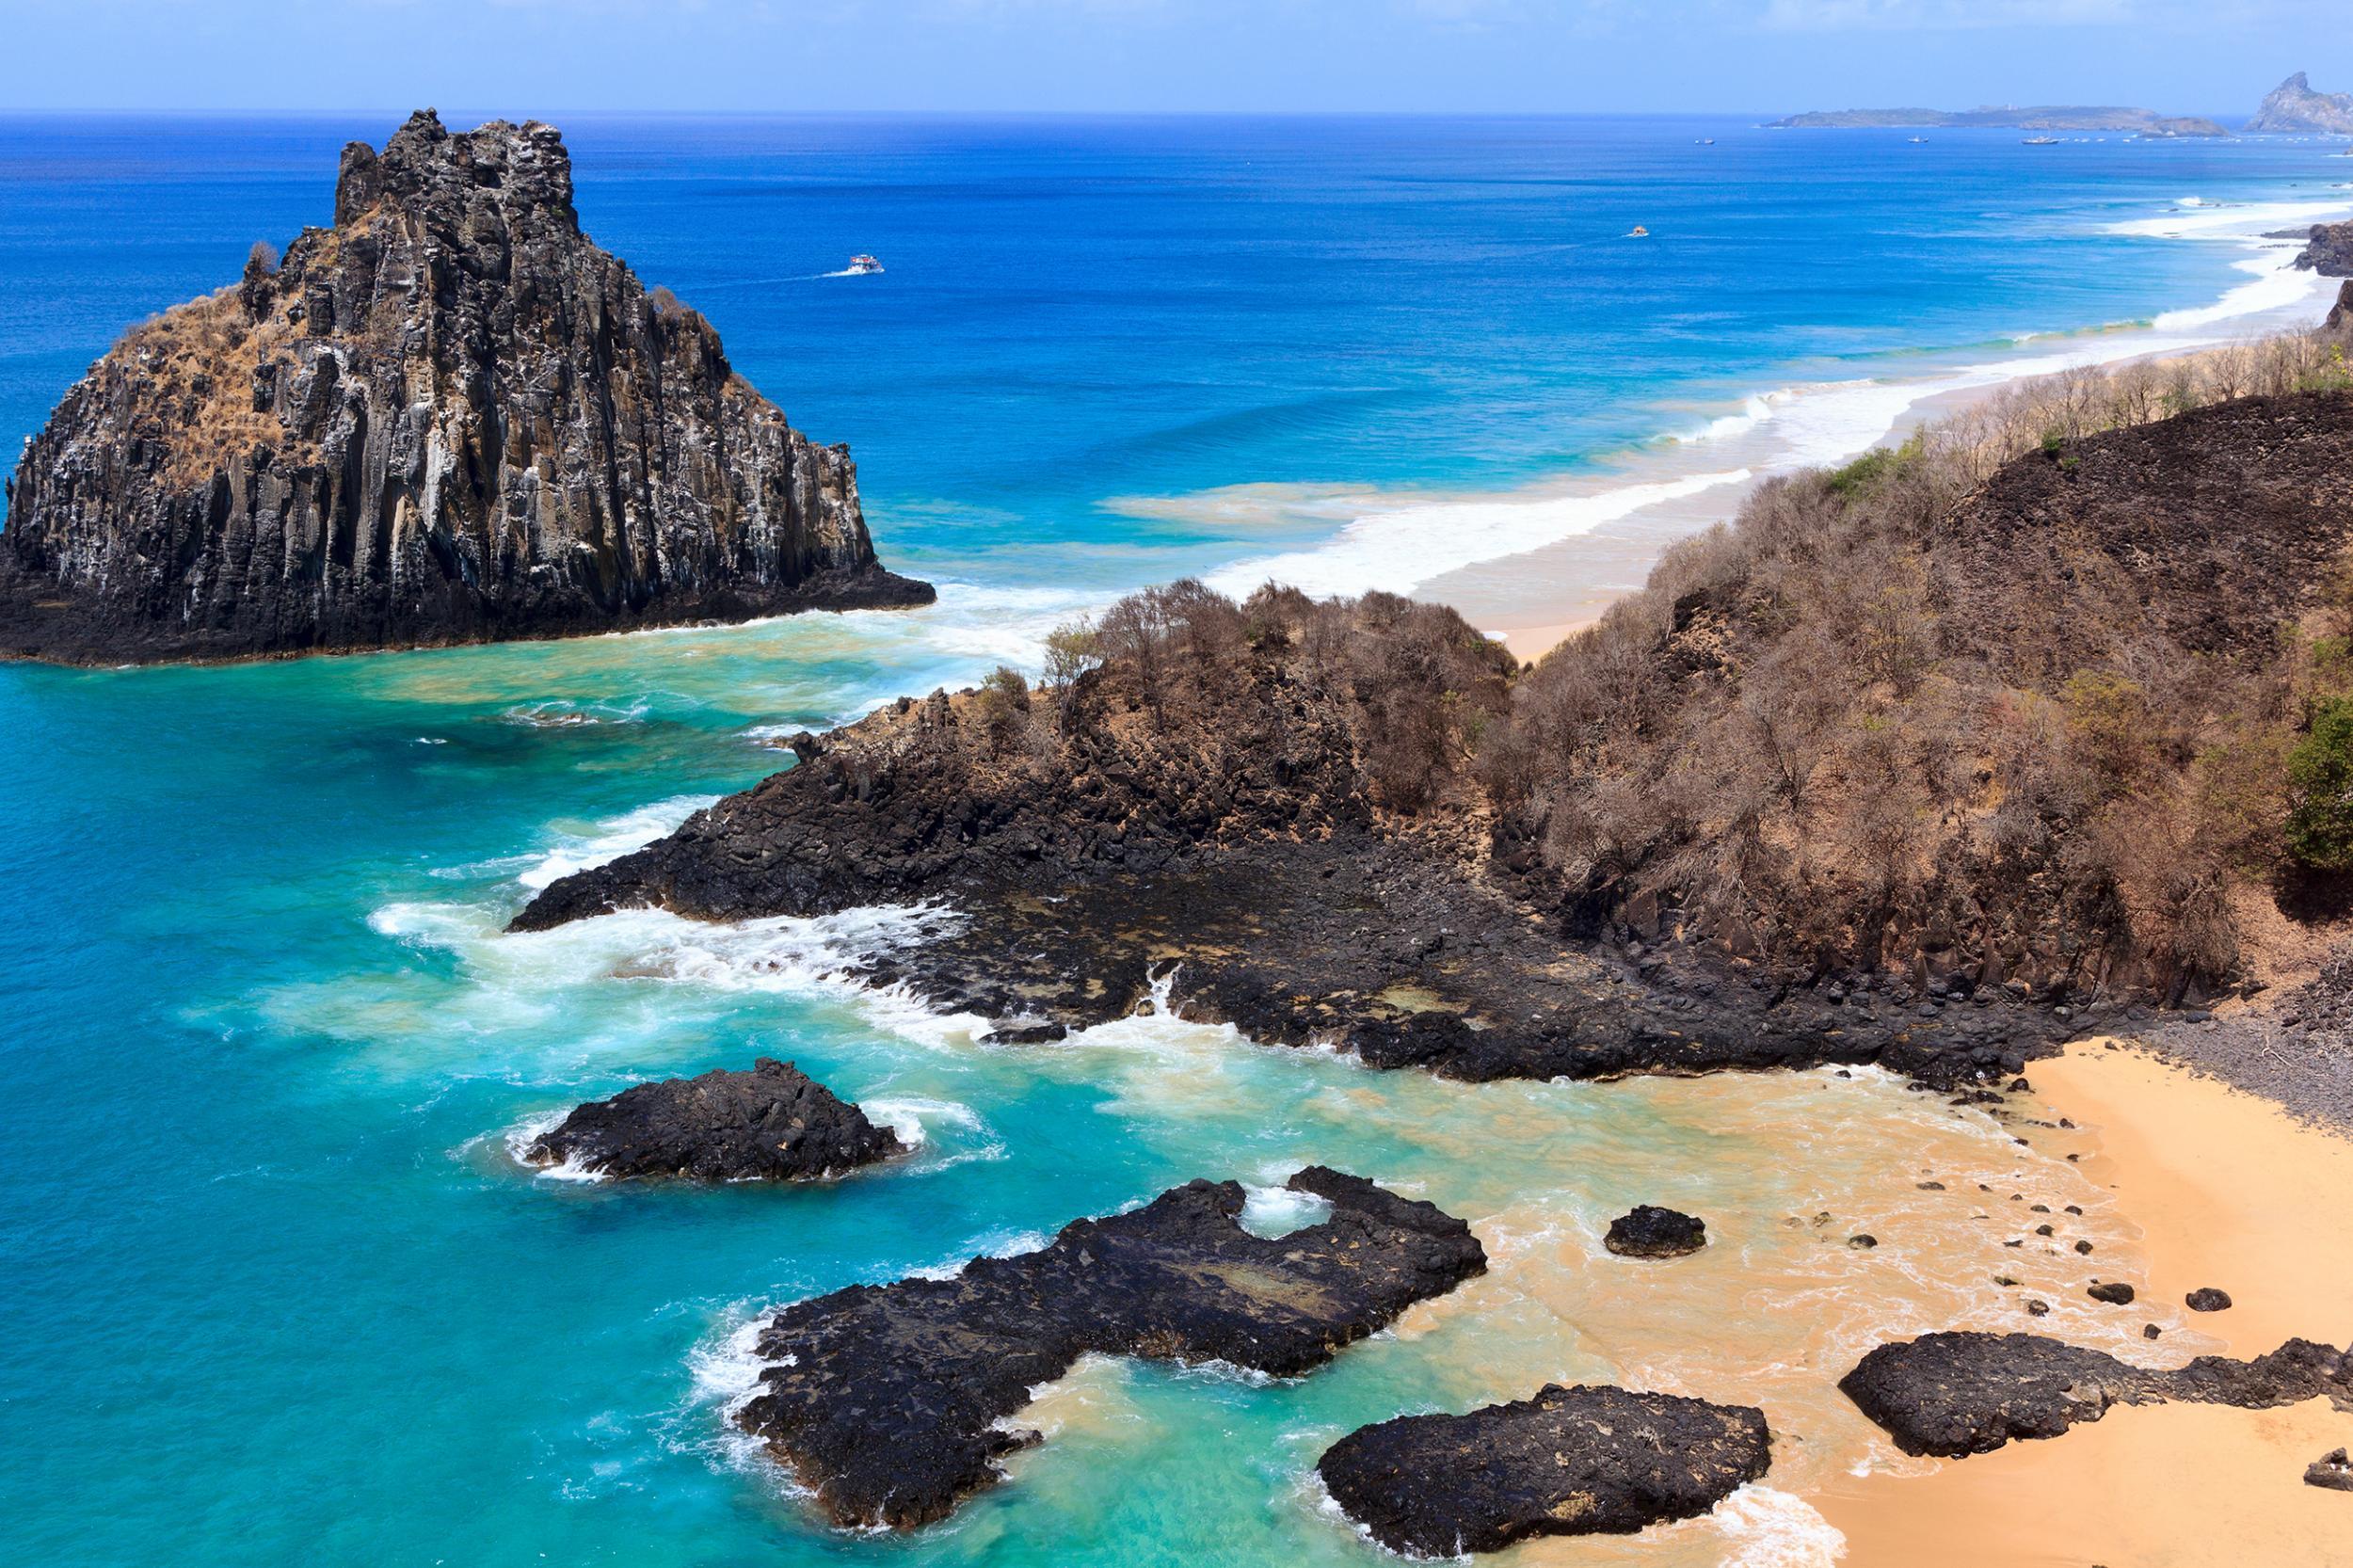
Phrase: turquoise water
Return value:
(273, 1291)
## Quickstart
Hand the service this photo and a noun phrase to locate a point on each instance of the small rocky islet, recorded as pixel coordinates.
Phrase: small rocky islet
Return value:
(774, 1123)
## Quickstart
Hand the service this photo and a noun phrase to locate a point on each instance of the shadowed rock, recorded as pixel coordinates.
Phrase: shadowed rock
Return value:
(448, 418)
(887, 1401)
(775, 1122)
(2331, 1470)
(2207, 1298)
(1956, 1393)
(1582, 1461)
(1649, 1231)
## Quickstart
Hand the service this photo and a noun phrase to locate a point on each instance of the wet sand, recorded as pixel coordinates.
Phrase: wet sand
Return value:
(2225, 1190)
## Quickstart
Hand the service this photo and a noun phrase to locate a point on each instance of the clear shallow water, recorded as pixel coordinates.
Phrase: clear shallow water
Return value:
(273, 1293)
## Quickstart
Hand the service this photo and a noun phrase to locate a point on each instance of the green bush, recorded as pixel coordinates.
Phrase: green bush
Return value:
(2320, 770)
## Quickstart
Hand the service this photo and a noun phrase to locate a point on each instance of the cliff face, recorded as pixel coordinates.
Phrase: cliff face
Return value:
(2293, 106)
(449, 418)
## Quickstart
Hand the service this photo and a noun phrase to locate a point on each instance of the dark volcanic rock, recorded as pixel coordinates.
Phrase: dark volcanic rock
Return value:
(1956, 1393)
(772, 1124)
(2208, 1299)
(2330, 253)
(2115, 1293)
(1583, 1461)
(448, 418)
(885, 1399)
(1649, 1231)
(1234, 854)
(2331, 1470)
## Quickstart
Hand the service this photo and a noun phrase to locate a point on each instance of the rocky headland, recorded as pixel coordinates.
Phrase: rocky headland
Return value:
(1928, 762)
(1582, 1461)
(448, 417)
(2329, 253)
(1953, 1395)
(892, 1402)
(2294, 107)
(774, 1123)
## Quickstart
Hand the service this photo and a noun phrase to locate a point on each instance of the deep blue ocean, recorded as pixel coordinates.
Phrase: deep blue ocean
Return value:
(271, 1289)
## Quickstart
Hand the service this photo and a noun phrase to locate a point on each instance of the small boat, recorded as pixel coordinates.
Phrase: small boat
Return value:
(2040, 141)
(1704, 142)
(1918, 141)
(863, 264)
(1637, 232)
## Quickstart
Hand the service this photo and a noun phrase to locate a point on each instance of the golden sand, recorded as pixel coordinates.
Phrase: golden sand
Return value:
(2226, 1191)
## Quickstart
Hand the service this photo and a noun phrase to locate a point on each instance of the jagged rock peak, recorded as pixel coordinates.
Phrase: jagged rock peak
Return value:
(450, 417)
(2293, 106)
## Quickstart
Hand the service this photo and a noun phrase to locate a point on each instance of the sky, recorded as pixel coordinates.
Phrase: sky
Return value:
(525, 57)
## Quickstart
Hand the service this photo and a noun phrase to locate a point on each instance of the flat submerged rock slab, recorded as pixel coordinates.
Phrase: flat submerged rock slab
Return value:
(774, 1123)
(1584, 1461)
(1951, 1394)
(889, 1401)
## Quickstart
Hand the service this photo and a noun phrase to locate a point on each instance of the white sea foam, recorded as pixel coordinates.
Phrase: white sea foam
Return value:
(969, 1137)
(528, 1132)
(1403, 548)
(611, 839)
(1275, 1212)
(1773, 1530)
(563, 714)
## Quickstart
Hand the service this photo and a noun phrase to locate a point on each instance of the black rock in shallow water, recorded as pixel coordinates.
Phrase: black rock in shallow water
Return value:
(2207, 1298)
(886, 1399)
(775, 1122)
(1956, 1393)
(1582, 1461)
(2115, 1292)
(1649, 1231)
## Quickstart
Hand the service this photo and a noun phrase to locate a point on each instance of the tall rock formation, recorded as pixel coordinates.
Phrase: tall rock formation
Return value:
(2294, 106)
(449, 418)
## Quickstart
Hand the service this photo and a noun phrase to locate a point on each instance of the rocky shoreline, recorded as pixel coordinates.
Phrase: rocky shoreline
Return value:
(890, 1402)
(1953, 1395)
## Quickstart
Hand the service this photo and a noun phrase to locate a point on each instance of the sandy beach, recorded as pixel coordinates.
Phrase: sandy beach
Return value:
(2227, 1190)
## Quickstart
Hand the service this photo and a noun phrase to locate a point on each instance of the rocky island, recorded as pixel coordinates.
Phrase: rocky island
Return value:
(2293, 108)
(449, 417)
(2141, 123)
(890, 1402)
(774, 1123)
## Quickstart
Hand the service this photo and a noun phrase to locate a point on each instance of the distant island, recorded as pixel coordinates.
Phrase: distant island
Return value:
(2294, 106)
(2144, 123)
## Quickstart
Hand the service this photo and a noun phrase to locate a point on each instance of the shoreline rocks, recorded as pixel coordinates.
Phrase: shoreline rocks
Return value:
(2207, 1298)
(774, 1123)
(1570, 1460)
(890, 1402)
(2331, 250)
(448, 418)
(1649, 1231)
(1952, 1395)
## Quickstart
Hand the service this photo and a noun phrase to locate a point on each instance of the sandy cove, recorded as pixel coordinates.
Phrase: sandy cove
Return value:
(2227, 1190)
